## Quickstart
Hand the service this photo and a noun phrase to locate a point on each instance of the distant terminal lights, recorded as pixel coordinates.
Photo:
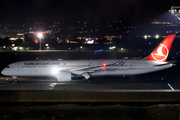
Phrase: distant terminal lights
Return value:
(149, 36)
(16, 38)
(89, 41)
(76, 42)
(81, 38)
(71, 41)
(110, 37)
(112, 48)
(86, 38)
(33, 32)
(20, 34)
(158, 22)
(175, 10)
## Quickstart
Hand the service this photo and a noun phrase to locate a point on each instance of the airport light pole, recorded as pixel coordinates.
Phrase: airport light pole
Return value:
(40, 35)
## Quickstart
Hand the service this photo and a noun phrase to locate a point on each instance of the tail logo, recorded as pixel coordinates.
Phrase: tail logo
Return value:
(162, 53)
(162, 50)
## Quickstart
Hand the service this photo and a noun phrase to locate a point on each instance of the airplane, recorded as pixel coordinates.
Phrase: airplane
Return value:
(64, 70)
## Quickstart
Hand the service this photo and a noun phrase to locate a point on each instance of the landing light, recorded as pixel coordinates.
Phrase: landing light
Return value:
(54, 71)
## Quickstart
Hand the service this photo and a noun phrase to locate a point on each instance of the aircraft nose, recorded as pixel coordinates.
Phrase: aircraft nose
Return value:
(3, 72)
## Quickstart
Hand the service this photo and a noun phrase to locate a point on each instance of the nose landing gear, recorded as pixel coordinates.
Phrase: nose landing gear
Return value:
(15, 79)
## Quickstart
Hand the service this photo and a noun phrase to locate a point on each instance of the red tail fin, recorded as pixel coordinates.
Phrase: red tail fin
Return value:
(162, 51)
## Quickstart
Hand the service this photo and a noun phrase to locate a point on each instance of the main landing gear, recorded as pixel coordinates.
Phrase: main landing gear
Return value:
(86, 78)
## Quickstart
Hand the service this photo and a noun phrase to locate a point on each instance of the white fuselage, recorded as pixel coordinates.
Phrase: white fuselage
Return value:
(113, 67)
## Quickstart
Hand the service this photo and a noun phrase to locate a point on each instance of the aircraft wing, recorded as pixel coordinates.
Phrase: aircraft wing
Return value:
(90, 68)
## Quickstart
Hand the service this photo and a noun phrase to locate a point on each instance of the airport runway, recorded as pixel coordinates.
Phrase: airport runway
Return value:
(149, 83)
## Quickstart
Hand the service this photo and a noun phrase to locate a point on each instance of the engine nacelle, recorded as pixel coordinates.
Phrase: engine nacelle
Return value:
(63, 76)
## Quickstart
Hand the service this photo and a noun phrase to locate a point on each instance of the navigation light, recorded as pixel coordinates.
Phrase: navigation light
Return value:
(104, 65)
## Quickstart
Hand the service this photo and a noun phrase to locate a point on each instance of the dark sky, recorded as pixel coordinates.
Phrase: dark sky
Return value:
(69, 10)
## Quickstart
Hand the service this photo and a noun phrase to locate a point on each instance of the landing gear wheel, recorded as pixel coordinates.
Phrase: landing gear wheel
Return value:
(87, 80)
(84, 80)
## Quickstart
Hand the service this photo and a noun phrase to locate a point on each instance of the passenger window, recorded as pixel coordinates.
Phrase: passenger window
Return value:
(8, 67)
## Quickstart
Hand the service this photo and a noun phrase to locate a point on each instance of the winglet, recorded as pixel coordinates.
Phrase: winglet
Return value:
(162, 51)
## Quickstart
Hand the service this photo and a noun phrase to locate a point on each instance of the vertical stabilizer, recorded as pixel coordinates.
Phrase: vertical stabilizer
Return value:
(162, 51)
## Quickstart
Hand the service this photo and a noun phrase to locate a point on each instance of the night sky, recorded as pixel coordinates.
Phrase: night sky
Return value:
(132, 11)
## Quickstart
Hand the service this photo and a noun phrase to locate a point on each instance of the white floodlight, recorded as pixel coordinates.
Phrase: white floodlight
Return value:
(145, 36)
(157, 36)
(112, 48)
(40, 35)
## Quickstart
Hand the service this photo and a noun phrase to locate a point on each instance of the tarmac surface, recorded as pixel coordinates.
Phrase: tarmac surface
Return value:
(44, 98)
(89, 112)
(120, 83)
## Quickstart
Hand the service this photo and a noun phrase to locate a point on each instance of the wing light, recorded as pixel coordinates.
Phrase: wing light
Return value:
(104, 65)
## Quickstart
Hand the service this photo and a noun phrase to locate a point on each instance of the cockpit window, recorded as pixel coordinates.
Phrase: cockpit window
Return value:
(8, 66)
